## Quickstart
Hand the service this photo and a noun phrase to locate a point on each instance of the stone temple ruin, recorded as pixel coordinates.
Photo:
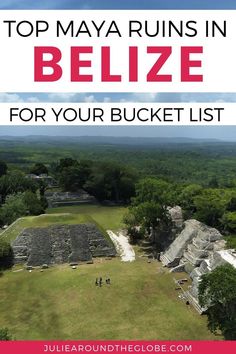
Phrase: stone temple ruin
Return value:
(59, 244)
(207, 265)
(57, 199)
(198, 249)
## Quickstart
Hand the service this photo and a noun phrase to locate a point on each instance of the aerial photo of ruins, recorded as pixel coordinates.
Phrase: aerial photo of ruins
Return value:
(117, 238)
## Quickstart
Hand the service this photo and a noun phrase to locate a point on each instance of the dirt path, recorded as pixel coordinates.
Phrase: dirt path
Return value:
(122, 246)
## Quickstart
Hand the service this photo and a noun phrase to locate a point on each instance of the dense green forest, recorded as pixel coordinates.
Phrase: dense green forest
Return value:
(147, 174)
(208, 163)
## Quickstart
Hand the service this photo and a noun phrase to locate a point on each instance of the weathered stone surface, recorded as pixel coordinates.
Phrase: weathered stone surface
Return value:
(192, 245)
(198, 250)
(40, 250)
(56, 199)
(44, 266)
(202, 245)
(219, 245)
(176, 216)
(173, 254)
(80, 250)
(215, 260)
(61, 244)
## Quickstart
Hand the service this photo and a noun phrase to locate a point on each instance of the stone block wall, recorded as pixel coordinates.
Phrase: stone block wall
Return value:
(61, 244)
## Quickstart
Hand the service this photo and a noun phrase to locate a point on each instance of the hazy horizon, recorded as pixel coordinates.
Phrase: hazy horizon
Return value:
(225, 133)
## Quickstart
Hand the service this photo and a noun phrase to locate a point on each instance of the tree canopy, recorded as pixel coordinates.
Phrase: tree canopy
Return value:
(38, 169)
(6, 254)
(5, 334)
(21, 204)
(14, 182)
(210, 206)
(105, 180)
(217, 291)
(3, 168)
(148, 211)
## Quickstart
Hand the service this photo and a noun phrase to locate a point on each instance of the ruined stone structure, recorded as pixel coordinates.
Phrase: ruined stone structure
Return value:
(49, 180)
(56, 199)
(61, 244)
(176, 216)
(192, 245)
(164, 239)
(216, 259)
(198, 249)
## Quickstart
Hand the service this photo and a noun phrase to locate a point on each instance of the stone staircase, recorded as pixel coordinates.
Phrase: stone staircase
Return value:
(164, 259)
(174, 252)
(191, 258)
(168, 262)
(191, 251)
(197, 251)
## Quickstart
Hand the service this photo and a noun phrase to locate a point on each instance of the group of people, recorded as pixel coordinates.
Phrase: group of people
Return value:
(98, 281)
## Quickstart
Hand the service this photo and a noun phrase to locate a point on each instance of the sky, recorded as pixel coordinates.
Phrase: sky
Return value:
(199, 132)
(117, 4)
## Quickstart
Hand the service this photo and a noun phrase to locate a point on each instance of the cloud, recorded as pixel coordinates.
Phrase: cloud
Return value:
(62, 97)
(33, 99)
(144, 97)
(17, 98)
(89, 99)
(76, 97)
(70, 97)
(182, 97)
(10, 97)
(208, 97)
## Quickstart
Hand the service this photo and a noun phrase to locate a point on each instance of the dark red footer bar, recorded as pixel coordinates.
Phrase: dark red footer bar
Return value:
(117, 347)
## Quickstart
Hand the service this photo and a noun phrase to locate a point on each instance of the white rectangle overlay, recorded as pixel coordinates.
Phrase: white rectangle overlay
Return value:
(110, 114)
(97, 29)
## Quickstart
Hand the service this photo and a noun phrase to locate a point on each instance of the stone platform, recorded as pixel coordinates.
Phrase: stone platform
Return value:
(59, 244)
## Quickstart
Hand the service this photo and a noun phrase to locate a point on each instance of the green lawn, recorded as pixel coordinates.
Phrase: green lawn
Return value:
(104, 217)
(62, 303)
